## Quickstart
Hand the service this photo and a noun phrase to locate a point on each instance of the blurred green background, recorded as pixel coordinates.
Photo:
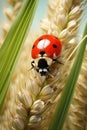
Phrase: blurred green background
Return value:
(40, 13)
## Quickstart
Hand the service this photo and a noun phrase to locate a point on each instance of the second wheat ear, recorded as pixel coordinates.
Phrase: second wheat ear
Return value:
(62, 20)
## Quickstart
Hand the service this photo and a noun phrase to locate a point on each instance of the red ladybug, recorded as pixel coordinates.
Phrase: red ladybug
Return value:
(45, 50)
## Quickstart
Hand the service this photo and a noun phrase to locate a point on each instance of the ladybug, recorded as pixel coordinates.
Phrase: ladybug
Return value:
(45, 50)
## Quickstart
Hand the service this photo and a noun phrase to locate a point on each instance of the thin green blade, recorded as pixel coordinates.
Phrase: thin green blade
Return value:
(63, 105)
(12, 45)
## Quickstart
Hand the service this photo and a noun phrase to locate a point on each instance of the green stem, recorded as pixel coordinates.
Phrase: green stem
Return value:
(13, 43)
(67, 94)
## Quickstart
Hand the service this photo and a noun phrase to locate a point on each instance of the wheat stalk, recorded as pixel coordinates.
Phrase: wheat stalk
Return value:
(31, 99)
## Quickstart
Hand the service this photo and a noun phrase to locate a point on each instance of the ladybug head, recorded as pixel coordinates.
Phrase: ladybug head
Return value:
(42, 66)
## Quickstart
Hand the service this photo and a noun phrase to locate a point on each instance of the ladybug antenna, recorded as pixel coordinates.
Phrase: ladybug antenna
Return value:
(33, 66)
(30, 69)
(56, 60)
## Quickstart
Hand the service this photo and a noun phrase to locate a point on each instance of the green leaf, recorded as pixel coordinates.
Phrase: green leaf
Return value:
(13, 43)
(67, 94)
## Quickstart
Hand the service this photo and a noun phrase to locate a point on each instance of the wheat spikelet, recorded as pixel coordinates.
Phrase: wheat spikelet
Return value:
(31, 99)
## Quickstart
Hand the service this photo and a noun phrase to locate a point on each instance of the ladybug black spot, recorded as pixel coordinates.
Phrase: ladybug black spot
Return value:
(54, 46)
(56, 37)
(33, 46)
(40, 39)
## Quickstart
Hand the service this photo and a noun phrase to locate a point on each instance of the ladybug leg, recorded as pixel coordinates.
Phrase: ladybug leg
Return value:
(56, 60)
(33, 64)
(52, 76)
(59, 62)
